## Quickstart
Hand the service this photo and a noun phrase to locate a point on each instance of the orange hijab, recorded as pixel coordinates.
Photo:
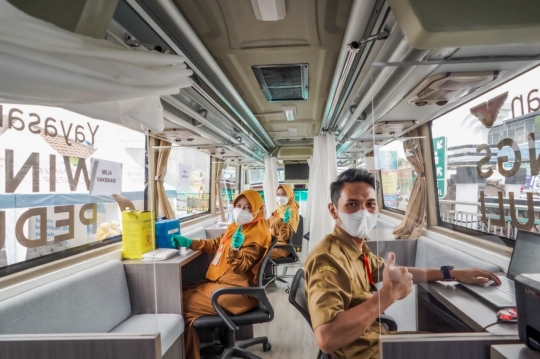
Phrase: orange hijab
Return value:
(292, 205)
(254, 232)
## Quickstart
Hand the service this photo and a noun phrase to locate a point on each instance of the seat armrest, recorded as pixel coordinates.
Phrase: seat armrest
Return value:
(289, 248)
(389, 321)
(256, 292)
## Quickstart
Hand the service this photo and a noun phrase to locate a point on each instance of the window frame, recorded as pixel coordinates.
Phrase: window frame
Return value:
(59, 256)
(379, 172)
(455, 228)
(210, 189)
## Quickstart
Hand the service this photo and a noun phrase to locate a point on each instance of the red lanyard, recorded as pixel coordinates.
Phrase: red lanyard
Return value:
(368, 269)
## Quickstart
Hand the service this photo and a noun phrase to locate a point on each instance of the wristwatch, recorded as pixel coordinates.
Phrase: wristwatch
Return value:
(446, 272)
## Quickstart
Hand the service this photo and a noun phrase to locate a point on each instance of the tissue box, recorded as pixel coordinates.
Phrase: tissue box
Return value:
(137, 233)
(165, 229)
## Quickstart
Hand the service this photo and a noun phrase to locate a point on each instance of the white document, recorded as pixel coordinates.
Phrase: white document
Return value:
(106, 178)
(184, 175)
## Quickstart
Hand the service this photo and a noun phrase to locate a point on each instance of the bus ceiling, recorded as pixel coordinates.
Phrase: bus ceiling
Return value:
(348, 68)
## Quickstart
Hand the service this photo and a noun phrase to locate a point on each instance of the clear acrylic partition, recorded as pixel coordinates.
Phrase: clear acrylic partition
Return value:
(393, 152)
(485, 159)
(58, 173)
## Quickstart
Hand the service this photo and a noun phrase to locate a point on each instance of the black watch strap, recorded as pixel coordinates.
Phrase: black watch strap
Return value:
(446, 272)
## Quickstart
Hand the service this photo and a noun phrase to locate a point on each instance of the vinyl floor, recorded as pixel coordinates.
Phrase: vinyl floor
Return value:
(289, 333)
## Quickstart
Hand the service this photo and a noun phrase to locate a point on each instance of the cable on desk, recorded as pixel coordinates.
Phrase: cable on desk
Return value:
(500, 322)
(492, 324)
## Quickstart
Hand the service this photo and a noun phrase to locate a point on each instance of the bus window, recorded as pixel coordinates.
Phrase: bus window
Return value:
(397, 176)
(187, 182)
(489, 180)
(46, 157)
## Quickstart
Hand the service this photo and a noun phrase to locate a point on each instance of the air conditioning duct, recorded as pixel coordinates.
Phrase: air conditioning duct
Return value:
(391, 128)
(448, 87)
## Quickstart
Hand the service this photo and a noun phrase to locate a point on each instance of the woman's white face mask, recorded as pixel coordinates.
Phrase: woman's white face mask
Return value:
(241, 216)
(358, 224)
(282, 200)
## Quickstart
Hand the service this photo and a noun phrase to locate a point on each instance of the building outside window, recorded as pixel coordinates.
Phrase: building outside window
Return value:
(495, 166)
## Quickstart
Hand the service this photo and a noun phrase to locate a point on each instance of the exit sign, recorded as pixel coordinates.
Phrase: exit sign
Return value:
(439, 157)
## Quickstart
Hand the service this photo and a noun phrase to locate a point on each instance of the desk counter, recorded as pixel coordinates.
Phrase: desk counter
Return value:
(513, 351)
(149, 281)
(468, 308)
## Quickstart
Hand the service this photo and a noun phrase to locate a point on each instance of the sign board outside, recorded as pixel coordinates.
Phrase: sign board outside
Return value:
(439, 156)
(388, 160)
(106, 178)
(508, 165)
(389, 185)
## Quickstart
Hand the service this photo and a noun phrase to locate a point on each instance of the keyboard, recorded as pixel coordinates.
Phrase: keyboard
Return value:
(160, 254)
(507, 286)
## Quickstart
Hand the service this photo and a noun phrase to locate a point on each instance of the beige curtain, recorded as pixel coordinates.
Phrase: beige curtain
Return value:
(219, 168)
(165, 207)
(412, 224)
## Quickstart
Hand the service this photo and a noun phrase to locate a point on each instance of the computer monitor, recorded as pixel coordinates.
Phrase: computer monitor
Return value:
(526, 255)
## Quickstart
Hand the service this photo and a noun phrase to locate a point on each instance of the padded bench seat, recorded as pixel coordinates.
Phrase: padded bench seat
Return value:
(95, 300)
(170, 326)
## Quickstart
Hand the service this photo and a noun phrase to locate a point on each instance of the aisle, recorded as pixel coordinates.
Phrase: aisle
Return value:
(289, 333)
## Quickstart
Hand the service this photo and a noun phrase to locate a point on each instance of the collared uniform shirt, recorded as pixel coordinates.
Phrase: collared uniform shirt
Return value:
(337, 280)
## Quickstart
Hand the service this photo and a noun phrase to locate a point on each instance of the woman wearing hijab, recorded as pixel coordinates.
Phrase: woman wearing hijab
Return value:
(284, 220)
(238, 254)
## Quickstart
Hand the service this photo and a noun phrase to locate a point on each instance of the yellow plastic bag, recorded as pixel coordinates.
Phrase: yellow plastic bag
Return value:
(137, 233)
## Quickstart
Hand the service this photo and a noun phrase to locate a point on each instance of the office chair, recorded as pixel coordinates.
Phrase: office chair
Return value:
(292, 258)
(262, 314)
(297, 297)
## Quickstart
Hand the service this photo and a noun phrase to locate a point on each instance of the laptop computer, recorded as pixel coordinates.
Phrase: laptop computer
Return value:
(525, 259)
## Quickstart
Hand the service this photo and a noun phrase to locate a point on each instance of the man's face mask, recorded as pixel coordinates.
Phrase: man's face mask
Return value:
(282, 200)
(241, 216)
(358, 224)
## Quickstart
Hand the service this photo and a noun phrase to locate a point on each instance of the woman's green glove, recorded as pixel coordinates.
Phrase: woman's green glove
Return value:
(238, 238)
(181, 241)
(286, 215)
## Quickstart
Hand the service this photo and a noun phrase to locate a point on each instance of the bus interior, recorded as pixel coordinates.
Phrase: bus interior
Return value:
(177, 106)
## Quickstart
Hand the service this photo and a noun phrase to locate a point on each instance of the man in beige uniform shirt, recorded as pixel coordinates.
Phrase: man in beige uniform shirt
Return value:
(341, 272)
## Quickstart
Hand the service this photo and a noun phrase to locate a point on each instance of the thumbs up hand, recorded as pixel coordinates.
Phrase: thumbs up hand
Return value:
(397, 281)
(238, 238)
(286, 215)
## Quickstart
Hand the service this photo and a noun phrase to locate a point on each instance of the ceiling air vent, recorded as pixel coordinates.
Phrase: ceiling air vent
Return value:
(448, 87)
(283, 82)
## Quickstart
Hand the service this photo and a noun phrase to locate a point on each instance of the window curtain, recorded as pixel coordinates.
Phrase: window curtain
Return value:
(412, 224)
(270, 184)
(165, 207)
(322, 172)
(42, 64)
(220, 165)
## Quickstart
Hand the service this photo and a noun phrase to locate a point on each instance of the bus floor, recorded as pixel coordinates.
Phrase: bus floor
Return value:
(289, 333)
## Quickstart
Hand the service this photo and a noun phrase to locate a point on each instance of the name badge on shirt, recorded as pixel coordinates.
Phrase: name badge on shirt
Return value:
(218, 255)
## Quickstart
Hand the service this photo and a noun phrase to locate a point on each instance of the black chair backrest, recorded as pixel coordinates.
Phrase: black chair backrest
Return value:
(297, 295)
(260, 275)
(296, 239)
